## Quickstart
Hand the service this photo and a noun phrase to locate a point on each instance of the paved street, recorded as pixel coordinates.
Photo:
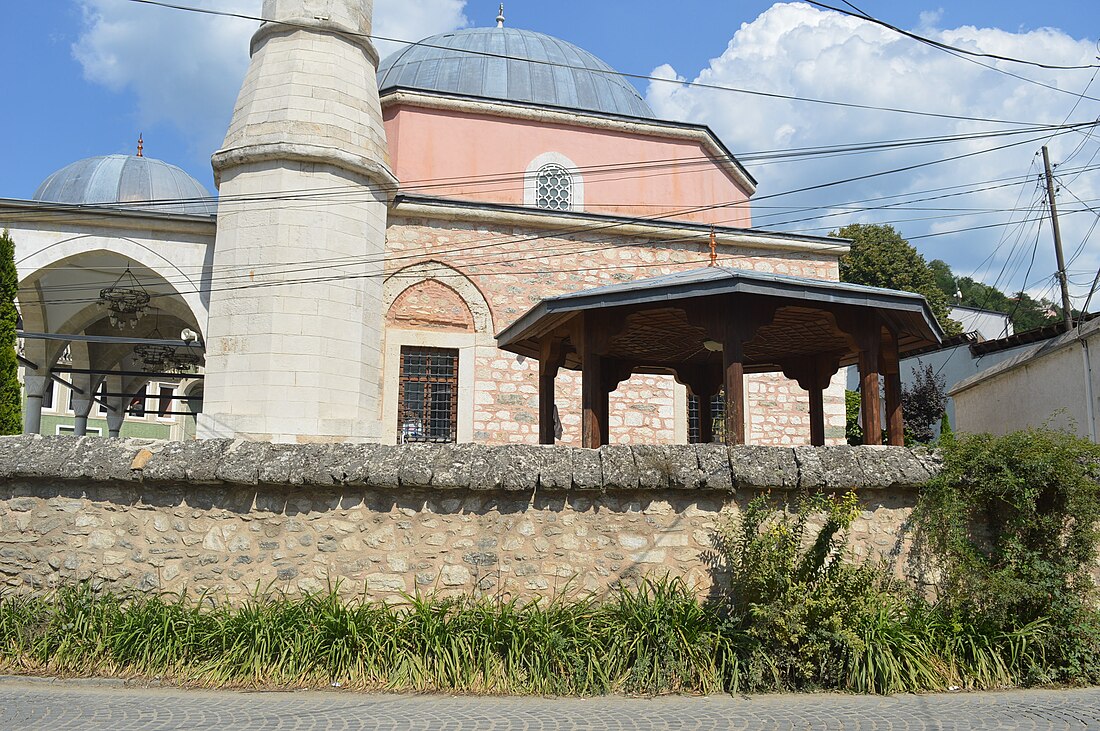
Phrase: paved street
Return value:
(62, 705)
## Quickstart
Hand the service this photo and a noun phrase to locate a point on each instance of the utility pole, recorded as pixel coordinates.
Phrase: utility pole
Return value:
(1067, 313)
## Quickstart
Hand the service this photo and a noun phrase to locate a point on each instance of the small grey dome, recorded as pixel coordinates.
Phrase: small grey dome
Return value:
(443, 63)
(144, 183)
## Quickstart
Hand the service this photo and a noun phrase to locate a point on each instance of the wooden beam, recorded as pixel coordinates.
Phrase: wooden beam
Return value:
(891, 371)
(870, 345)
(551, 357)
(593, 345)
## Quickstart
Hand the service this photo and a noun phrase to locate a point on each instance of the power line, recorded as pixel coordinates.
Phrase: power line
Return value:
(943, 46)
(609, 72)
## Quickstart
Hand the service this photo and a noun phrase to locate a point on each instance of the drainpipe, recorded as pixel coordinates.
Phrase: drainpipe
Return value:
(1090, 409)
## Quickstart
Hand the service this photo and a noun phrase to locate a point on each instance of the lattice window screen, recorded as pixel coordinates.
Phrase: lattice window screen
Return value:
(554, 188)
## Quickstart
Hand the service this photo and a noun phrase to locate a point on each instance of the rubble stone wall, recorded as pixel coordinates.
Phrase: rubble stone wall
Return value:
(513, 269)
(233, 517)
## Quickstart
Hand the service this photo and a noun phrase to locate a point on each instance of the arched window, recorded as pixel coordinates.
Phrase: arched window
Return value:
(554, 188)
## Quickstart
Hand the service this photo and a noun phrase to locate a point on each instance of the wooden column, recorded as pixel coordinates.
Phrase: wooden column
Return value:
(814, 374)
(703, 381)
(870, 339)
(817, 417)
(706, 419)
(551, 357)
(733, 370)
(593, 388)
(891, 372)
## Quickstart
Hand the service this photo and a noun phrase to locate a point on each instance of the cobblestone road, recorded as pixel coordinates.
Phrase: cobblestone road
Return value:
(62, 705)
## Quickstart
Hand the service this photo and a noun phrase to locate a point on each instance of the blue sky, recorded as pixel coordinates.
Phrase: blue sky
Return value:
(84, 77)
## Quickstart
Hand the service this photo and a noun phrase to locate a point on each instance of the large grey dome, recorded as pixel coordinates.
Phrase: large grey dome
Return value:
(144, 183)
(531, 73)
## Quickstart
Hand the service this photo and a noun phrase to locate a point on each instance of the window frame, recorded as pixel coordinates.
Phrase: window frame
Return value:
(430, 381)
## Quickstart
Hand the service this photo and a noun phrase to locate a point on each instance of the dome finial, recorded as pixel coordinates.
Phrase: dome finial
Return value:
(141, 146)
(500, 17)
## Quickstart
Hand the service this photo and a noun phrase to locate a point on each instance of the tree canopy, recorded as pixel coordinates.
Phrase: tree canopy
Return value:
(881, 257)
(11, 396)
(1026, 312)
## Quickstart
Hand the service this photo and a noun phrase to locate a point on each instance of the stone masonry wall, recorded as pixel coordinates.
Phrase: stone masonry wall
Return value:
(514, 269)
(231, 518)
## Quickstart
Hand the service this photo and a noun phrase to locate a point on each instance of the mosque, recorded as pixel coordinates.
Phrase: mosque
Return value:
(378, 224)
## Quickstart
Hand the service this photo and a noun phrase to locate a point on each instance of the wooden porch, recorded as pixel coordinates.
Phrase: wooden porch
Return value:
(709, 328)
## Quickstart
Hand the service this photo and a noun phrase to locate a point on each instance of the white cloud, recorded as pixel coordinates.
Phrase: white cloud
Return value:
(797, 50)
(186, 68)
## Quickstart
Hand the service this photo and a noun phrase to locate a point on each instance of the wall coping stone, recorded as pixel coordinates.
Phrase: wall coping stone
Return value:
(520, 468)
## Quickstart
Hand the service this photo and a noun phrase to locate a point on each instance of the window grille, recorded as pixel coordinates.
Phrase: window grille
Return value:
(427, 402)
(717, 415)
(554, 188)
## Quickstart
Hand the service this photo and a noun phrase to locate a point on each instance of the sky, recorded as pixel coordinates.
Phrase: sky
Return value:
(85, 77)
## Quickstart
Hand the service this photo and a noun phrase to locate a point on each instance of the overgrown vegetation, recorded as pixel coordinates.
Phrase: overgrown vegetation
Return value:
(11, 403)
(1009, 528)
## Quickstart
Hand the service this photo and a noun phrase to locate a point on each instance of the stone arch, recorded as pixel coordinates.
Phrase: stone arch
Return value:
(34, 266)
(430, 305)
(466, 292)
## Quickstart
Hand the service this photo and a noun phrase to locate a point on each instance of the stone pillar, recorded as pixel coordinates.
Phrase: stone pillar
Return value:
(35, 387)
(301, 361)
(116, 415)
(82, 406)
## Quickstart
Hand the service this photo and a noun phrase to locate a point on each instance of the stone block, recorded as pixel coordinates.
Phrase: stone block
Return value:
(104, 459)
(684, 472)
(520, 466)
(714, 464)
(292, 464)
(241, 462)
(451, 466)
(415, 464)
(486, 469)
(619, 470)
(556, 469)
(384, 467)
(194, 461)
(654, 463)
(587, 470)
(885, 467)
(11, 451)
(763, 467)
(346, 464)
(46, 456)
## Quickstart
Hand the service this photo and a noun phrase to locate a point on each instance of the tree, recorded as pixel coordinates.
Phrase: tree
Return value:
(1025, 312)
(11, 396)
(922, 404)
(880, 257)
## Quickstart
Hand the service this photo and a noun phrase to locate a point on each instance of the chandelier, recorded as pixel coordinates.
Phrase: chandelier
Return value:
(183, 360)
(125, 304)
(154, 356)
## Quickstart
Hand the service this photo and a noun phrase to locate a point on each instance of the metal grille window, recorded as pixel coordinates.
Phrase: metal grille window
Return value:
(427, 409)
(717, 415)
(554, 188)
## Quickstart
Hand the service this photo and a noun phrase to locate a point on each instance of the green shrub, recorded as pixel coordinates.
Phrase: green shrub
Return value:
(793, 603)
(1010, 527)
(11, 395)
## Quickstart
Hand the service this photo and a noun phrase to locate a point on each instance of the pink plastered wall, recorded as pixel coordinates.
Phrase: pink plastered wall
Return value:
(462, 155)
